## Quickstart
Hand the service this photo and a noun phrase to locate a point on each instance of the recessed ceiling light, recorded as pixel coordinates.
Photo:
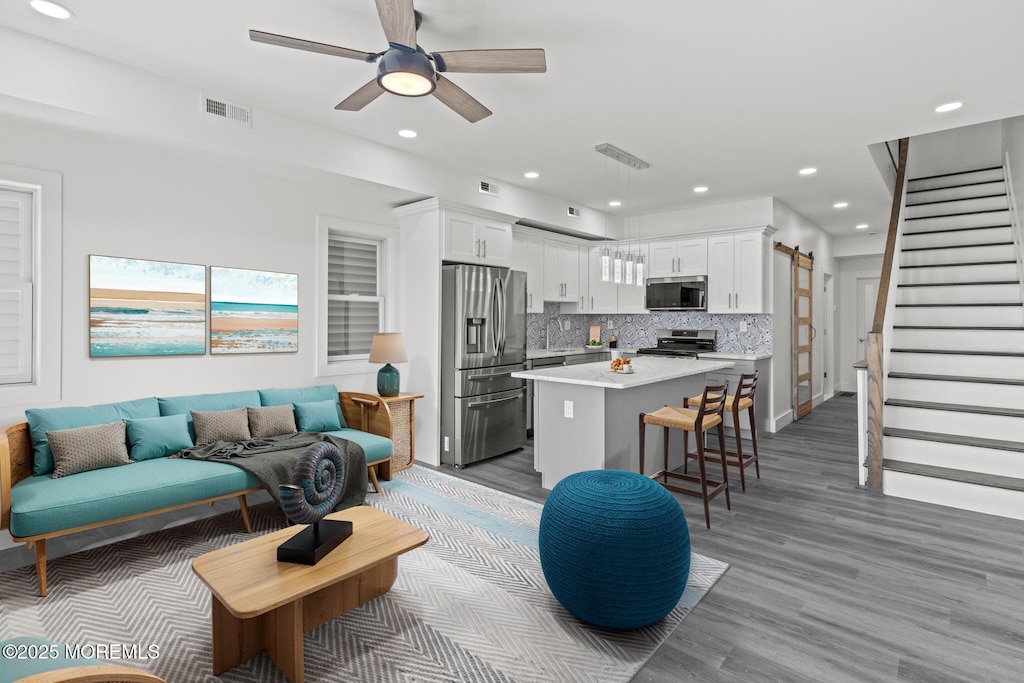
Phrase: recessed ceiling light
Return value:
(531, 174)
(51, 9)
(700, 188)
(862, 226)
(810, 170)
(949, 106)
(615, 202)
(841, 205)
(406, 133)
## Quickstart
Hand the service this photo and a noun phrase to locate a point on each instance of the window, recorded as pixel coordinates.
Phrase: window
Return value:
(355, 292)
(30, 285)
(16, 273)
(354, 300)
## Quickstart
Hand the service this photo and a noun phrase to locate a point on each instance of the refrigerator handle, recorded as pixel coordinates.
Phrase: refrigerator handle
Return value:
(495, 317)
(504, 312)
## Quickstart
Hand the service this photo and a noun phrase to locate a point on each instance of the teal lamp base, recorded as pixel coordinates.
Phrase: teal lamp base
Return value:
(387, 381)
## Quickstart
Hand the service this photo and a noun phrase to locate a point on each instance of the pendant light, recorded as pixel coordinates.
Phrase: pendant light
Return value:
(606, 254)
(639, 255)
(631, 269)
(628, 264)
(617, 261)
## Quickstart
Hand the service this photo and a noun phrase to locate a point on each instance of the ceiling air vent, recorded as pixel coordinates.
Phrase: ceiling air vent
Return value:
(217, 107)
(489, 189)
(574, 212)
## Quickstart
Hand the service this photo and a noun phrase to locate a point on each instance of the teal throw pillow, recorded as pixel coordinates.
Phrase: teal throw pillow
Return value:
(317, 416)
(155, 437)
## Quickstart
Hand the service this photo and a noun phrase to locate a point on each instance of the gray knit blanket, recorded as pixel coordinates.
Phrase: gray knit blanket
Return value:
(272, 461)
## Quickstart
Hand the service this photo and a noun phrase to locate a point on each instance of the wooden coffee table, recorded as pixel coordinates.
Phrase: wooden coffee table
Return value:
(262, 605)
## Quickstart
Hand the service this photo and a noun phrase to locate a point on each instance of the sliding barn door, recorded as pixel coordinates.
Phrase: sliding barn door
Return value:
(803, 334)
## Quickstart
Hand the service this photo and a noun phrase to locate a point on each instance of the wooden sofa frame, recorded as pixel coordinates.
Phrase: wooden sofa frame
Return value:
(365, 412)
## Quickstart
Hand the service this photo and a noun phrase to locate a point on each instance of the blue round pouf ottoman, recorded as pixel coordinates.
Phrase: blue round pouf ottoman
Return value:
(615, 548)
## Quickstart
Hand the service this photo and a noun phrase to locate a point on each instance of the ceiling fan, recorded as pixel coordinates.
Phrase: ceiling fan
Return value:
(406, 69)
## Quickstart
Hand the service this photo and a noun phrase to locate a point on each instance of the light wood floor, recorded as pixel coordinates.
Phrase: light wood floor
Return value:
(830, 584)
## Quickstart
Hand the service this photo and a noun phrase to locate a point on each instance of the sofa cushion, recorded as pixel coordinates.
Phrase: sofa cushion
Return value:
(323, 392)
(317, 416)
(155, 437)
(42, 420)
(221, 425)
(269, 421)
(87, 448)
(376, 448)
(175, 405)
(42, 505)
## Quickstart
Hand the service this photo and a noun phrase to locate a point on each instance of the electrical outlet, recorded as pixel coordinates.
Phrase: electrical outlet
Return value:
(446, 449)
(611, 324)
(565, 325)
(567, 408)
(743, 326)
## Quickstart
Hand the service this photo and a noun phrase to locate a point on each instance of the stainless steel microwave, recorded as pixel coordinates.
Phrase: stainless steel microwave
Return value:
(687, 293)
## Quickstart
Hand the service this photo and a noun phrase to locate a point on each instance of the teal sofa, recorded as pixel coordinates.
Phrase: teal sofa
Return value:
(35, 507)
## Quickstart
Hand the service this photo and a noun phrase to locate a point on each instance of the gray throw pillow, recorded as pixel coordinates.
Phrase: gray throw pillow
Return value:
(87, 448)
(221, 425)
(271, 421)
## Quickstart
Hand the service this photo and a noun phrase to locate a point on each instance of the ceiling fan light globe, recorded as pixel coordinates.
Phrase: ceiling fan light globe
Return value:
(409, 74)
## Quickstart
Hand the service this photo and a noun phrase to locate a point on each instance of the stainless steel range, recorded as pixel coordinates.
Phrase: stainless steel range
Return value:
(682, 343)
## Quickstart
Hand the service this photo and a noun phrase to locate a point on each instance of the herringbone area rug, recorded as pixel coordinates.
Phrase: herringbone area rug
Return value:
(471, 605)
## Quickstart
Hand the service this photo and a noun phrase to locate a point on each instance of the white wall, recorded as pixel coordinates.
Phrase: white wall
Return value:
(795, 230)
(142, 201)
(860, 245)
(753, 212)
(954, 150)
(848, 348)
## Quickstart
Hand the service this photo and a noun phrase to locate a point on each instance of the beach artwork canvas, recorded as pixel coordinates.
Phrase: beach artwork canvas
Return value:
(146, 308)
(253, 311)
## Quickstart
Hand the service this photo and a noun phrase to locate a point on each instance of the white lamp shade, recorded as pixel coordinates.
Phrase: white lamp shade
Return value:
(388, 347)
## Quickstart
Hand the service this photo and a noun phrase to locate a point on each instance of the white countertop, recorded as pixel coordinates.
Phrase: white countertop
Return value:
(646, 370)
(736, 356)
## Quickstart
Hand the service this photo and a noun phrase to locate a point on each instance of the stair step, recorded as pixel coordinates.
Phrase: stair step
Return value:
(977, 364)
(956, 407)
(957, 378)
(960, 284)
(982, 253)
(973, 294)
(946, 180)
(956, 207)
(972, 245)
(984, 272)
(954, 455)
(968, 191)
(957, 237)
(961, 495)
(976, 304)
(988, 339)
(946, 201)
(958, 390)
(908, 233)
(974, 441)
(968, 423)
(959, 220)
(963, 352)
(964, 476)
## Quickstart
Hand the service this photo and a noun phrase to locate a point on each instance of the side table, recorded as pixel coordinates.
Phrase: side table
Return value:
(403, 433)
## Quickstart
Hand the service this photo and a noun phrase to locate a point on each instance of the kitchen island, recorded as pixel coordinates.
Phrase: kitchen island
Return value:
(587, 415)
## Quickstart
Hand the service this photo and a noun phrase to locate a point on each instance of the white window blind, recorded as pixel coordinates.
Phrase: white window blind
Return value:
(15, 287)
(355, 301)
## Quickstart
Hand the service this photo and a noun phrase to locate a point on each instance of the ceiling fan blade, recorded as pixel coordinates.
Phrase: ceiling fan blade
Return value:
(362, 97)
(460, 101)
(528, 61)
(309, 45)
(398, 17)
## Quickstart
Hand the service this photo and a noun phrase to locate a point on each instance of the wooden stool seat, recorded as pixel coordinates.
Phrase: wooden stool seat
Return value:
(742, 400)
(708, 415)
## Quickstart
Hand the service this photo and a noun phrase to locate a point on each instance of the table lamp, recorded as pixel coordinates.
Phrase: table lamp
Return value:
(388, 348)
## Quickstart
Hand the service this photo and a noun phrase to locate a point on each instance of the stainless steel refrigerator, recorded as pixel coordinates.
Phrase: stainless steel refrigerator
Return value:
(483, 341)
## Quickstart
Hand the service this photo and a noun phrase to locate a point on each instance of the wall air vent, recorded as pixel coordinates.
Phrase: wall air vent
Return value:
(489, 189)
(219, 108)
(574, 212)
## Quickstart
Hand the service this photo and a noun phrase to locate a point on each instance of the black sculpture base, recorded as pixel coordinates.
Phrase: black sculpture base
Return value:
(312, 544)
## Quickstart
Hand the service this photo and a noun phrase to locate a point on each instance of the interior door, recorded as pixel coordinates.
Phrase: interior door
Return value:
(867, 294)
(803, 334)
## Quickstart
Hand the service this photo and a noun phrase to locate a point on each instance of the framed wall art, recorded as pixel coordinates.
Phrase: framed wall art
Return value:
(253, 311)
(146, 308)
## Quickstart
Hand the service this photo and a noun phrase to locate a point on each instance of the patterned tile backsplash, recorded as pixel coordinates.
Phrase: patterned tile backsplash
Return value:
(547, 329)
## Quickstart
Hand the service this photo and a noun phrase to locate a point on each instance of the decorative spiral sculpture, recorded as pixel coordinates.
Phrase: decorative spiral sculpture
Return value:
(317, 483)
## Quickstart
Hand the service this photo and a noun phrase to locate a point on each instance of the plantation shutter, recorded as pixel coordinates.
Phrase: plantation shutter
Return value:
(354, 301)
(15, 287)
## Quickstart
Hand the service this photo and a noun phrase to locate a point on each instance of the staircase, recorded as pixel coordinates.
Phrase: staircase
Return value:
(954, 412)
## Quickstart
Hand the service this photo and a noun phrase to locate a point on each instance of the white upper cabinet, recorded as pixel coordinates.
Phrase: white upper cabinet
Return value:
(561, 272)
(528, 256)
(469, 238)
(679, 257)
(736, 271)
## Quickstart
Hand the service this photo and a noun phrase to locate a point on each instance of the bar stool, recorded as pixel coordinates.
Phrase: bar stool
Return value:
(708, 414)
(742, 400)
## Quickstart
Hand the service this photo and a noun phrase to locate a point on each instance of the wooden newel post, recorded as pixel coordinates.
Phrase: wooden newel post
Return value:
(875, 400)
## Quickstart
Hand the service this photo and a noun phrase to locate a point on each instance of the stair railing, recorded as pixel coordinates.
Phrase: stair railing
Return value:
(876, 346)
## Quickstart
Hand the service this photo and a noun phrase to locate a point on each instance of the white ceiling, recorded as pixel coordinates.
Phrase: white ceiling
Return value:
(736, 94)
